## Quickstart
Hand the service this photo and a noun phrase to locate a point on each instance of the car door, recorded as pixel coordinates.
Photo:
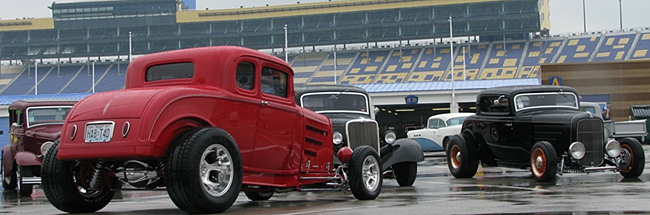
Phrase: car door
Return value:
(243, 120)
(497, 128)
(278, 122)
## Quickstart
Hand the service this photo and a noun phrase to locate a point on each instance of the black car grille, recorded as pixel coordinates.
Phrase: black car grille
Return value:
(590, 133)
(362, 132)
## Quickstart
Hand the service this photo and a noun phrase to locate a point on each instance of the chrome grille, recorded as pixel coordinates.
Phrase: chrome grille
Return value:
(362, 132)
(590, 133)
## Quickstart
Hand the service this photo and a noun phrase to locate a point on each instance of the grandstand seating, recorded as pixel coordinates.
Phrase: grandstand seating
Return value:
(365, 67)
(642, 49)
(408, 64)
(578, 49)
(325, 74)
(614, 47)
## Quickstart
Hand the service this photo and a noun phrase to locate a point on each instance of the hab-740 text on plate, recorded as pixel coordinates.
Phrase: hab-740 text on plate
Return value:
(99, 132)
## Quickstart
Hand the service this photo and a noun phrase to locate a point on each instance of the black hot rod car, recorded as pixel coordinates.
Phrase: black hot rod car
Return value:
(541, 128)
(347, 106)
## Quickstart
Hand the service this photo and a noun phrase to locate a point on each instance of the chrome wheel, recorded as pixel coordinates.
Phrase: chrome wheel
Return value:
(216, 170)
(371, 173)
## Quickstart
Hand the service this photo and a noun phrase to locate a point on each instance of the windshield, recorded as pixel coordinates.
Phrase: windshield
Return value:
(546, 100)
(46, 115)
(335, 102)
(456, 121)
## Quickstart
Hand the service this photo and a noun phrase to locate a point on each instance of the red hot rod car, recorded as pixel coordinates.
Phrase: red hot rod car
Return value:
(206, 123)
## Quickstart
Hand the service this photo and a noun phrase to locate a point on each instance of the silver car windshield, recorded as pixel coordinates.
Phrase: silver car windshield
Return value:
(546, 100)
(335, 102)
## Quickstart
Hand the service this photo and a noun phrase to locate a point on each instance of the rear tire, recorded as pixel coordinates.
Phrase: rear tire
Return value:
(405, 173)
(462, 158)
(543, 161)
(212, 157)
(258, 196)
(66, 184)
(365, 173)
(634, 158)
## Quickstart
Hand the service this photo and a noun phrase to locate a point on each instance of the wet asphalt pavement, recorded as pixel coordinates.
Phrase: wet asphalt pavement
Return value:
(492, 191)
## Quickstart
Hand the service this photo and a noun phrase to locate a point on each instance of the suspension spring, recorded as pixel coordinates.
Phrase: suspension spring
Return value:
(98, 179)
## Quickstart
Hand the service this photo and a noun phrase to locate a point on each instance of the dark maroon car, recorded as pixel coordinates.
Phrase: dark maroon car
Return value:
(32, 122)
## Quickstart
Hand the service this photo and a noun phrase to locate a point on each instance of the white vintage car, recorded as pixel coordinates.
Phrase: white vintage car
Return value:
(439, 129)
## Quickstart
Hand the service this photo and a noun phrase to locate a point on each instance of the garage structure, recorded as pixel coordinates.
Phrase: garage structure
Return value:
(619, 84)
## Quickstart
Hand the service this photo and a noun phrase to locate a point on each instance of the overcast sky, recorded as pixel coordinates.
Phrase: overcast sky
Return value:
(566, 15)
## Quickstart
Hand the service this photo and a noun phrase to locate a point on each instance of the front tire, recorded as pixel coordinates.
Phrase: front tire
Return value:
(204, 172)
(633, 158)
(462, 158)
(66, 184)
(365, 173)
(543, 161)
(405, 173)
(8, 180)
(21, 172)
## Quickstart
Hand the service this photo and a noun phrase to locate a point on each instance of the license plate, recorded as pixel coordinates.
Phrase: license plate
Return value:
(99, 132)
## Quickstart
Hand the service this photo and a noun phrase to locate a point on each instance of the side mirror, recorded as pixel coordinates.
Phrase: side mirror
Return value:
(16, 125)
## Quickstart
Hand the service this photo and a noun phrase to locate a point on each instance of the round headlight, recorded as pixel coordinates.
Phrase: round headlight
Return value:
(613, 148)
(390, 137)
(577, 150)
(46, 146)
(338, 138)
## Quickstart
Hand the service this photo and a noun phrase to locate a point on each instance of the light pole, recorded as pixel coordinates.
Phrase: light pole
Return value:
(93, 76)
(35, 78)
(286, 41)
(130, 44)
(452, 106)
(584, 16)
(620, 14)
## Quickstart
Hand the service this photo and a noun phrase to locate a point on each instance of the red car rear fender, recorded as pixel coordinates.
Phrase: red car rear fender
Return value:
(164, 135)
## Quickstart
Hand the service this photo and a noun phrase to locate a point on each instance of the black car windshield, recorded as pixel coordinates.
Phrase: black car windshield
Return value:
(546, 100)
(335, 102)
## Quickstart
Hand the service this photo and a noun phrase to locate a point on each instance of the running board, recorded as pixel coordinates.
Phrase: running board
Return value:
(600, 169)
(320, 178)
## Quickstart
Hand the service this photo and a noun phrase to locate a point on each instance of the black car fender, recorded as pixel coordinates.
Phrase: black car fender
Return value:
(402, 150)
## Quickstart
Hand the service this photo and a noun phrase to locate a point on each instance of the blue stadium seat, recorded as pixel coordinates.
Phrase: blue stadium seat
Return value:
(642, 48)
(325, 75)
(615, 47)
(578, 49)
(112, 79)
(398, 65)
(55, 80)
(365, 67)
(82, 82)
(305, 64)
(474, 57)
(538, 52)
(432, 65)
(504, 61)
(24, 82)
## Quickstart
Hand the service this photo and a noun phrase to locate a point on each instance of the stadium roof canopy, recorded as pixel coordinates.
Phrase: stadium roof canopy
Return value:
(7, 100)
(445, 85)
(104, 28)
